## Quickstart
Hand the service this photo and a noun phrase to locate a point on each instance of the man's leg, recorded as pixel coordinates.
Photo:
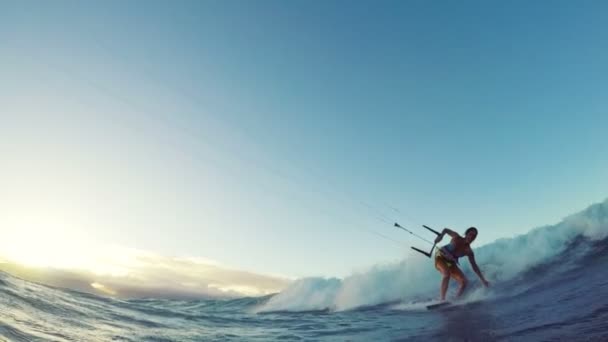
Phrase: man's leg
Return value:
(441, 266)
(457, 274)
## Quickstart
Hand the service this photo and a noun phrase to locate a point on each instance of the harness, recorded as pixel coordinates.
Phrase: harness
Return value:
(446, 253)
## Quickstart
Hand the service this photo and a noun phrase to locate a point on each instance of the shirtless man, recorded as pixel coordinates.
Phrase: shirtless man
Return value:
(446, 259)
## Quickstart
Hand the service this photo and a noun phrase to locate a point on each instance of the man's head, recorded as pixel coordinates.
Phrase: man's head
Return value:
(470, 234)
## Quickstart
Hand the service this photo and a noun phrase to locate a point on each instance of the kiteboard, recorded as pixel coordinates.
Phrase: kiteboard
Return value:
(453, 305)
(438, 305)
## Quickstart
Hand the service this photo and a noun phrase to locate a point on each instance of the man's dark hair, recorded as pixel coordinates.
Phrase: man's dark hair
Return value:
(472, 229)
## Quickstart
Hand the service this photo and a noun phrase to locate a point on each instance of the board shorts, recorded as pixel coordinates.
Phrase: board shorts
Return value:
(448, 260)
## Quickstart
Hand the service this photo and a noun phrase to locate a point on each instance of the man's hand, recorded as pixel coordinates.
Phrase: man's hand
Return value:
(485, 283)
(438, 238)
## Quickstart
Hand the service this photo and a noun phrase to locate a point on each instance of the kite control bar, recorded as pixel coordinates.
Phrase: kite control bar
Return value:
(428, 254)
(431, 229)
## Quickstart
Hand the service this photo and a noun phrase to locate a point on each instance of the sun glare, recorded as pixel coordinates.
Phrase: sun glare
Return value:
(43, 249)
(102, 288)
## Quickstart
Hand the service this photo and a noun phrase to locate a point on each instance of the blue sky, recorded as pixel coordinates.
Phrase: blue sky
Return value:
(278, 136)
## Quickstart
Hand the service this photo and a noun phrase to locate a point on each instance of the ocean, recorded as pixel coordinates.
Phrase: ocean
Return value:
(548, 285)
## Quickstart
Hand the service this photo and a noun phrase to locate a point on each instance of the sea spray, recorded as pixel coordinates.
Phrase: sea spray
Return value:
(416, 277)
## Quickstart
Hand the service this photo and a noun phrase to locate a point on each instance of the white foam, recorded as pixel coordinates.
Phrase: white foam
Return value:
(405, 281)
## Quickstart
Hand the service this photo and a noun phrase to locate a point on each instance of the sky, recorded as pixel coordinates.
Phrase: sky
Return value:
(130, 273)
(284, 138)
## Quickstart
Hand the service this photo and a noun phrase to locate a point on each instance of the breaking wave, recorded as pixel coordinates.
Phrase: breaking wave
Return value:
(505, 260)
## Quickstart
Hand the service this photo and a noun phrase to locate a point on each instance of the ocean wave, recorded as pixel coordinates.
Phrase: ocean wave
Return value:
(561, 261)
(504, 260)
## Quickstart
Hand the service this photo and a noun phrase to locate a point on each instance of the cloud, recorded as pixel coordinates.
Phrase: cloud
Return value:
(129, 273)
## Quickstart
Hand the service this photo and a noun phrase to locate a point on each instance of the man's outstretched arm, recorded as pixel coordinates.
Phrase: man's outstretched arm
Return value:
(477, 270)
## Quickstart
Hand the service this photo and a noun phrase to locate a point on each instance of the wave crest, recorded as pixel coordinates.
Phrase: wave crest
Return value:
(415, 278)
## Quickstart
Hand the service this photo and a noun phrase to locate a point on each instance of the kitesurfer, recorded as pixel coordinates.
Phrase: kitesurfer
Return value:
(446, 259)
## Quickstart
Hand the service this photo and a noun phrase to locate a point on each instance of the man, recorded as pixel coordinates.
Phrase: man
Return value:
(446, 259)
